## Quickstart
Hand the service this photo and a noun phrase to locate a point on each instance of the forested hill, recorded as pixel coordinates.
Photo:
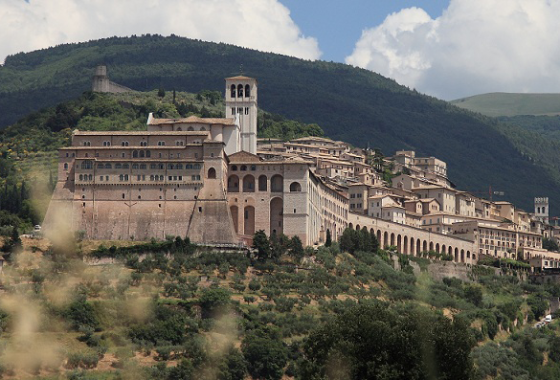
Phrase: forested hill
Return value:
(350, 104)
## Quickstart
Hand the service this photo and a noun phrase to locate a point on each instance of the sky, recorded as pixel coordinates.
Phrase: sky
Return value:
(444, 48)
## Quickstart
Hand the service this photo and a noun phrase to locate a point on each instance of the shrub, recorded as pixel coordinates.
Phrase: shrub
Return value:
(82, 359)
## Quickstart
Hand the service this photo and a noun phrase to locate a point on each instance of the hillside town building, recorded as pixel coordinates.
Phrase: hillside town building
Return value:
(212, 180)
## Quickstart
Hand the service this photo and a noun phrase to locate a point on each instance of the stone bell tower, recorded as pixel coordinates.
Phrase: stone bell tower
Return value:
(541, 209)
(241, 103)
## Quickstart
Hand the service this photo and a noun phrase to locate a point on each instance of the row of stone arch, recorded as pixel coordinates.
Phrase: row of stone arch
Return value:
(416, 246)
(248, 184)
(239, 91)
(247, 227)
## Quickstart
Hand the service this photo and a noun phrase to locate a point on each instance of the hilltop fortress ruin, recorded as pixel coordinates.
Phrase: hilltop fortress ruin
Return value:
(101, 82)
(211, 180)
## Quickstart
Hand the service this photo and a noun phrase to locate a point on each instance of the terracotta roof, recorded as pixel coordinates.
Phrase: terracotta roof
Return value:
(427, 200)
(118, 147)
(140, 133)
(241, 77)
(141, 160)
(193, 120)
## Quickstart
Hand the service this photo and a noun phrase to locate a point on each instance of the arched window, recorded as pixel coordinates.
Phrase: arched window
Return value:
(87, 164)
(179, 129)
(118, 166)
(233, 184)
(240, 91)
(203, 129)
(263, 183)
(142, 166)
(233, 91)
(134, 166)
(190, 129)
(277, 183)
(295, 187)
(247, 90)
(148, 154)
(134, 154)
(234, 168)
(249, 183)
(81, 177)
(108, 166)
(211, 173)
(100, 166)
(90, 177)
(65, 166)
(243, 168)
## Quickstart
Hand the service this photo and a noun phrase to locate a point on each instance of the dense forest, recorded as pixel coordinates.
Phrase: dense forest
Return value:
(350, 104)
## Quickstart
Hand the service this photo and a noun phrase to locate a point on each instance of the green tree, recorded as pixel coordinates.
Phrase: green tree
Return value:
(538, 304)
(554, 351)
(550, 244)
(214, 301)
(328, 240)
(473, 294)
(82, 315)
(161, 92)
(262, 245)
(265, 353)
(373, 341)
(349, 240)
(232, 366)
(296, 248)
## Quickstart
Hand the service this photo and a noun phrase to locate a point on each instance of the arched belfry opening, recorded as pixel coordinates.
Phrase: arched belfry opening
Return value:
(211, 173)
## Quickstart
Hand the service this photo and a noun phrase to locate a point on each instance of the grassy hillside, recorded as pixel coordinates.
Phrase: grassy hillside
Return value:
(350, 104)
(504, 104)
(162, 312)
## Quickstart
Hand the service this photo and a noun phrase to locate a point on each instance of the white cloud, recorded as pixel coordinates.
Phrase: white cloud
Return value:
(475, 46)
(259, 24)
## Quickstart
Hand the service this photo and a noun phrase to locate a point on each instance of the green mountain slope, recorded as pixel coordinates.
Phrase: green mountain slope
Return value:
(504, 104)
(351, 104)
(546, 126)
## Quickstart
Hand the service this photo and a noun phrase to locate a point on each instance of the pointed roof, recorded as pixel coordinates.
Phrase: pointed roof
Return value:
(242, 156)
(241, 77)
